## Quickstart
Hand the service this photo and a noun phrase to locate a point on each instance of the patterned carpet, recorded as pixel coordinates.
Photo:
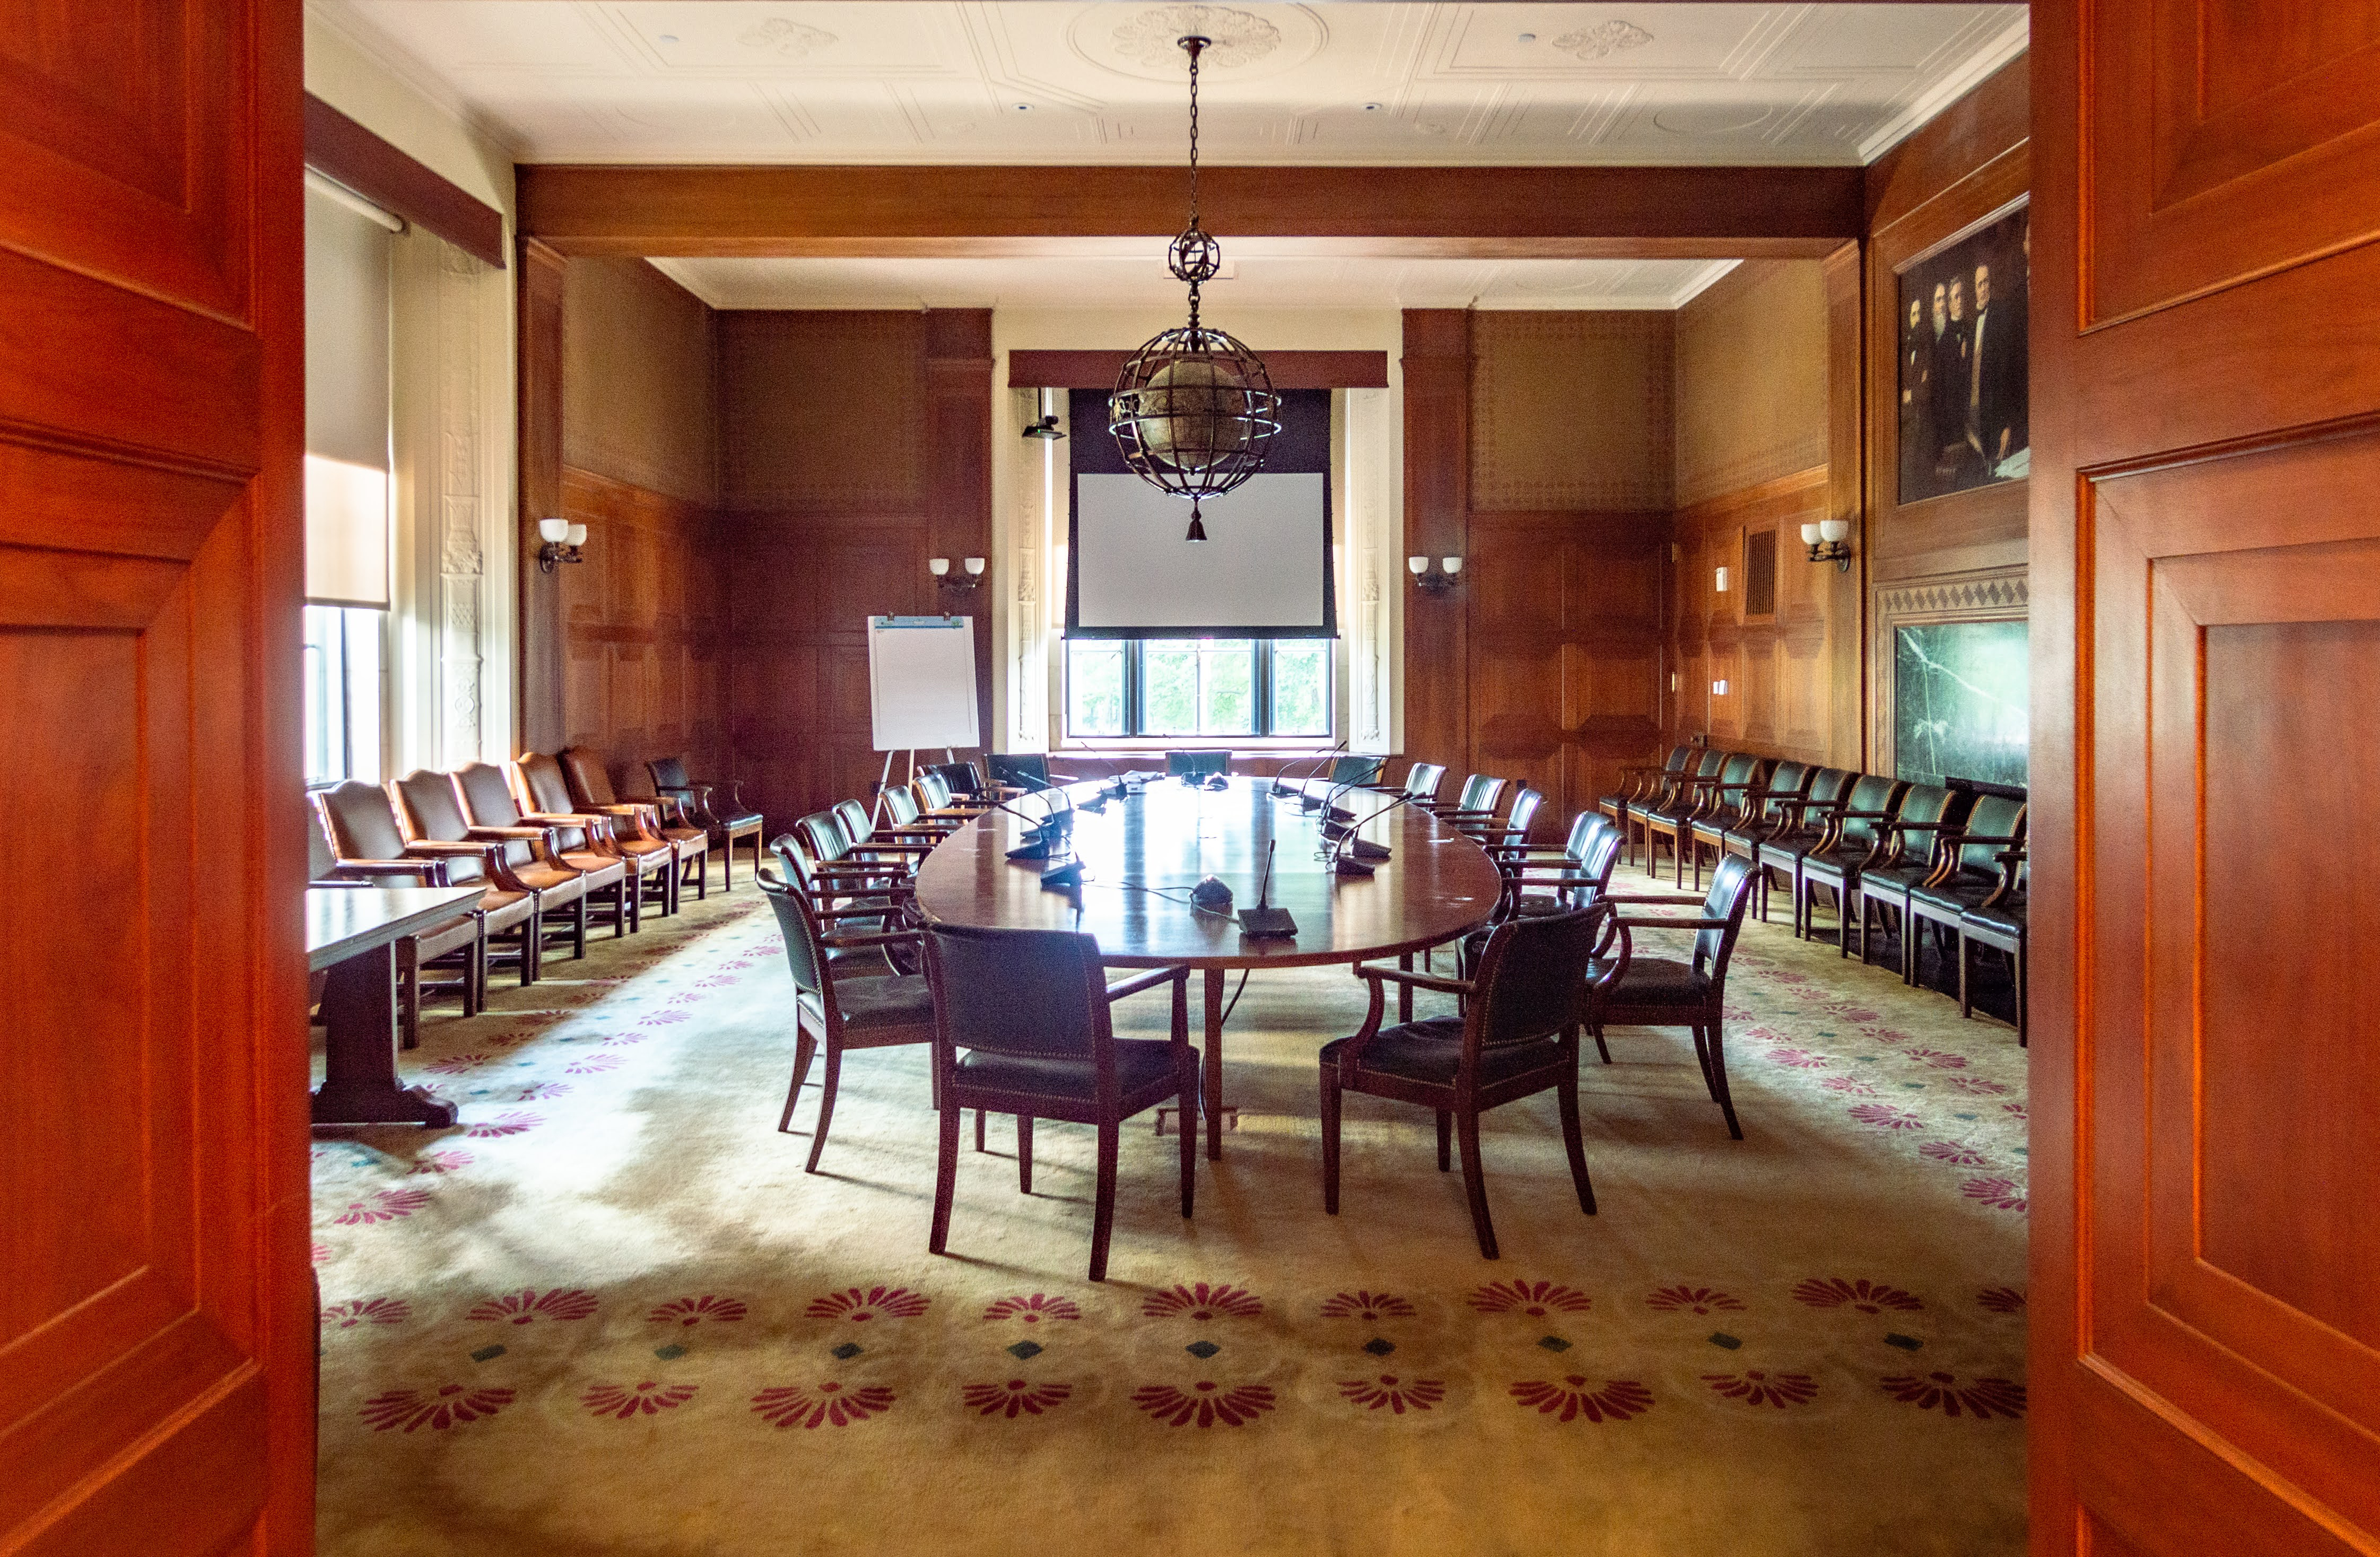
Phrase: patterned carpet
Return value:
(609, 1312)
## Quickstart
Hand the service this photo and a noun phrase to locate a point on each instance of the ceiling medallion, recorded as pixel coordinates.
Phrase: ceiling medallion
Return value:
(1232, 37)
(1603, 40)
(785, 37)
(1193, 409)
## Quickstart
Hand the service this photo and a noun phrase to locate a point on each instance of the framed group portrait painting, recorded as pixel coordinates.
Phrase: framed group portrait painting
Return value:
(1961, 367)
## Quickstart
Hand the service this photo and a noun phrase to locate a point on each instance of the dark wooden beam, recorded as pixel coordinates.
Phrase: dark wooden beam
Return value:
(345, 153)
(1483, 212)
(1290, 370)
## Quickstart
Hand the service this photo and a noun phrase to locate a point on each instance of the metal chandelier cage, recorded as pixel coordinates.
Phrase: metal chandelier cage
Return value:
(1194, 407)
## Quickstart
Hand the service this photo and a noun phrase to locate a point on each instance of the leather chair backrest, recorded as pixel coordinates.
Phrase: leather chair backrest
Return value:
(548, 788)
(1740, 768)
(1422, 780)
(1789, 778)
(591, 781)
(804, 954)
(1595, 861)
(1533, 977)
(857, 823)
(1018, 992)
(1179, 764)
(1994, 816)
(1524, 814)
(668, 773)
(961, 776)
(1730, 889)
(319, 860)
(487, 799)
(1480, 792)
(426, 802)
(1026, 770)
(1583, 828)
(1710, 762)
(822, 835)
(1826, 787)
(1925, 802)
(1357, 770)
(1872, 793)
(900, 805)
(1676, 762)
(934, 789)
(361, 820)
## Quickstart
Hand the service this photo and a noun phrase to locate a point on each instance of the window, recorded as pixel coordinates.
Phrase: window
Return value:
(1191, 687)
(342, 694)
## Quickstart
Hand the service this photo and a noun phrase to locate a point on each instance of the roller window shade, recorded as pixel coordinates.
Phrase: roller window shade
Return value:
(1264, 570)
(347, 405)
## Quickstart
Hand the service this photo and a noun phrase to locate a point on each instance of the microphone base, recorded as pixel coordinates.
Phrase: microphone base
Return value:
(1063, 877)
(1350, 867)
(1364, 848)
(1261, 924)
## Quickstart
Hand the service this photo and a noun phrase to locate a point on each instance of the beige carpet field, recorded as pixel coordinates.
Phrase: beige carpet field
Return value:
(608, 1313)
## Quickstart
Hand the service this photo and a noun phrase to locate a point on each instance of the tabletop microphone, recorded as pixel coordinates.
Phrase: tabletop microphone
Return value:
(1263, 921)
(1279, 785)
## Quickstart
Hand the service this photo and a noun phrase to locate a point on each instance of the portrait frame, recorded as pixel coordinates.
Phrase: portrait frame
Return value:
(1960, 390)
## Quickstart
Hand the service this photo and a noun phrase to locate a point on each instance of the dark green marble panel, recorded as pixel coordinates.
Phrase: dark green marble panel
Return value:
(1961, 702)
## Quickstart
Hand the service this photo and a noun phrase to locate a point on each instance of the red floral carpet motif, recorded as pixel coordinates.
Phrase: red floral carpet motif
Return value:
(659, 1016)
(627, 1402)
(1849, 1085)
(1366, 1306)
(1884, 1117)
(694, 1310)
(528, 1305)
(440, 1162)
(321, 1252)
(1034, 1309)
(859, 1306)
(1204, 1403)
(1014, 1398)
(366, 1310)
(1867, 1297)
(1952, 1152)
(437, 1409)
(1940, 1059)
(504, 1125)
(1534, 1298)
(2001, 1299)
(1203, 1302)
(1854, 1013)
(1800, 1059)
(598, 1061)
(1618, 1399)
(2001, 1193)
(1978, 1085)
(1943, 1392)
(1755, 1387)
(538, 1091)
(456, 1064)
(2016, 1111)
(386, 1206)
(1396, 1395)
(1884, 1035)
(1700, 1299)
(829, 1406)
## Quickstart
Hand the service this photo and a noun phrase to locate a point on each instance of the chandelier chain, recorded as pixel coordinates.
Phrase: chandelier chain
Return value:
(1195, 44)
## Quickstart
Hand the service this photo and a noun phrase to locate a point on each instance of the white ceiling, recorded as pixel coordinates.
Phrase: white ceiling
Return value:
(1132, 275)
(1064, 82)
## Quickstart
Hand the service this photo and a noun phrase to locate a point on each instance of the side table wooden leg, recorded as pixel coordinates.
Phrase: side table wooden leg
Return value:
(359, 1082)
(1214, 1086)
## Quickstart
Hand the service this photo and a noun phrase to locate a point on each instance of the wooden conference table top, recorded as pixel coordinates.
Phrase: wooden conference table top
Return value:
(1142, 854)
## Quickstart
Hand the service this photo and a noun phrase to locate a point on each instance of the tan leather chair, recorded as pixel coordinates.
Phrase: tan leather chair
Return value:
(579, 842)
(358, 823)
(590, 789)
(636, 830)
(427, 807)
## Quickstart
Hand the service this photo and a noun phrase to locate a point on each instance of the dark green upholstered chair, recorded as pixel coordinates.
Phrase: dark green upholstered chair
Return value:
(1749, 815)
(1999, 926)
(1682, 993)
(1025, 770)
(1880, 894)
(1856, 835)
(717, 805)
(1704, 801)
(1673, 806)
(1421, 781)
(1357, 773)
(1518, 1036)
(1568, 878)
(1640, 783)
(1968, 873)
(1801, 826)
(1022, 1026)
(1197, 764)
(1475, 801)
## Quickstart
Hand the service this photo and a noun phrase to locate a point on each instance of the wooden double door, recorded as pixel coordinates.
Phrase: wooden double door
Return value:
(2205, 504)
(156, 1311)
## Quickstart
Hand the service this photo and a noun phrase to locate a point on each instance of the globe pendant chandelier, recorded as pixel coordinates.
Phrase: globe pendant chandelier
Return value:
(1193, 409)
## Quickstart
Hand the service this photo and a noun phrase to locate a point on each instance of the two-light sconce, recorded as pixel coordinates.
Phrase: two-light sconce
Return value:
(1826, 540)
(1435, 579)
(562, 540)
(970, 576)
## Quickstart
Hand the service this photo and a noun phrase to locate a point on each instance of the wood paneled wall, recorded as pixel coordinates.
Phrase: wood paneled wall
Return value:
(856, 445)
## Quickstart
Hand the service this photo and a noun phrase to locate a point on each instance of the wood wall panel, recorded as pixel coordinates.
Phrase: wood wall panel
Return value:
(640, 402)
(1572, 411)
(538, 722)
(824, 413)
(1437, 367)
(1752, 374)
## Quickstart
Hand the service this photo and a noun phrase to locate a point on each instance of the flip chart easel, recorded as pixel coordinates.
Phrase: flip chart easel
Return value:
(921, 688)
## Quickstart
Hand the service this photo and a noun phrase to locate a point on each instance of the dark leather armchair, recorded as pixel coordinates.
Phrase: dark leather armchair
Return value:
(1474, 802)
(580, 842)
(1704, 799)
(1806, 825)
(1691, 992)
(1968, 873)
(834, 1011)
(1197, 764)
(354, 842)
(1518, 1037)
(910, 842)
(1025, 770)
(1022, 1026)
(430, 814)
(1672, 804)
(1640, 783)
(1421, 781)
(636, 829)
(590, 790)
(1513, 830)
(1911, 853)
(1856, 836)
(1759, 813)
(1357, 773)
(1998, 925)
(716, 806)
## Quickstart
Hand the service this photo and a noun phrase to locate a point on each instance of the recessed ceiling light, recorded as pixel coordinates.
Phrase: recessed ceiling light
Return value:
(1371, 107)
(1528, 37)
(1025, 107)
(669, 37)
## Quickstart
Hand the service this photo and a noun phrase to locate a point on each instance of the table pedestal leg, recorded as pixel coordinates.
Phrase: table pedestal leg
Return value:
(359, 1084)
(1213, 1089)
(1405, 991)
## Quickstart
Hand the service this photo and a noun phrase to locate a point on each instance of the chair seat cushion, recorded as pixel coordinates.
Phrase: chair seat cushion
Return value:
(600, 869)
(1432, 1050)
(694, 839)
(2000, 918)
(732, 818)
(555, 885)
(877, 1005)
(1951, 898)
(1655, 981)
(1141, 1063)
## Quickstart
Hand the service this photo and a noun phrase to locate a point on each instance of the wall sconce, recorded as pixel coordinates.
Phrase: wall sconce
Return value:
(1720, 585)
(941, 568)
(1826, 539)
(562, 540)
(1434, 581)
(1718, 688)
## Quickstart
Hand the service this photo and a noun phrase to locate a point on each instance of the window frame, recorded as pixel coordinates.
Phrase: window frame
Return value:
(1135, 712)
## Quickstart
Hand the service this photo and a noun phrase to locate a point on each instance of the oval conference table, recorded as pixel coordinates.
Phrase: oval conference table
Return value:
(1142, 852)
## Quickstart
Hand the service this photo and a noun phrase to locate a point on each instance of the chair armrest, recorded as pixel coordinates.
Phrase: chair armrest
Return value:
(1965, 838)
(878, 938)
(1418, 980)
(860, 911)
(2010, 856)
(1924, 827)
(1632, 922)
(1148, 980)
(1652, 897)
(1560, 878)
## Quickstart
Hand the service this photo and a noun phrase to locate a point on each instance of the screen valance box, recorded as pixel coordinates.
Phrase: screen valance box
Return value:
(1264, 570)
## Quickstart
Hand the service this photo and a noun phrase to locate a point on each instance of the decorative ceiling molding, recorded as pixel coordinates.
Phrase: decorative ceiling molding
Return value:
(1603, 40)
